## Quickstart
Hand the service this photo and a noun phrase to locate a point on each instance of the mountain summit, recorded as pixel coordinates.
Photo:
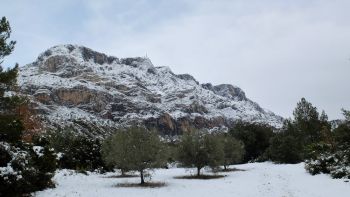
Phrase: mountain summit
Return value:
(74, 85)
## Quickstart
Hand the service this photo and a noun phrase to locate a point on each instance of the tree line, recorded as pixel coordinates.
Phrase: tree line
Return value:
(24, 167)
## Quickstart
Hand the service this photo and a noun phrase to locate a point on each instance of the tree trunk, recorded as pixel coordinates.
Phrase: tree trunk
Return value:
(142, 180)
(198, 171)
(225, 167)
(123, 172)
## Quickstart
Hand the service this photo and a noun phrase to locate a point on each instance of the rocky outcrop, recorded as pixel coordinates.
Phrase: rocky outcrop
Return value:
(43, 96)
(170, 126)
(94, 101)
(196, 107)
(230, 91)
(226, 90)
(55, 63)
(96, 57)
(187, 77)
(96, 93)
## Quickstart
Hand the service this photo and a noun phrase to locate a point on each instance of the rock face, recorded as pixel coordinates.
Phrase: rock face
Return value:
(93, 92)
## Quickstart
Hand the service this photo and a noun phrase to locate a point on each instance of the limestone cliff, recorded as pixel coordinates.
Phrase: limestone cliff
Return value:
(93, 92)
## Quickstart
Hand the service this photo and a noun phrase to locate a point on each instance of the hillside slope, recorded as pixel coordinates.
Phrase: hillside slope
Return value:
(74, 85)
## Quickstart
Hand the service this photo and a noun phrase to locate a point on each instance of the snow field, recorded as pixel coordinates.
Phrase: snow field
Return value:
(258, 179)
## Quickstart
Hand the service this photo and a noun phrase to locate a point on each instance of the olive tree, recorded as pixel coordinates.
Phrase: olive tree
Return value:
(199, 149)
(135, 149)
(233, 150)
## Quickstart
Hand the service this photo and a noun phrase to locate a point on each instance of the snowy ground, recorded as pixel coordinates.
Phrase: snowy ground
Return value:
(259, 179)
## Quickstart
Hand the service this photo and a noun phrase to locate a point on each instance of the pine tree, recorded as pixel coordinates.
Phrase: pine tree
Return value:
(342, 132)
(332, 156)
(285, 149)
(10, 125)
(6, 48)
(324, 120)
(346, 114)
(286, 145)
(256, 138)
(307, 121)
(32, 166)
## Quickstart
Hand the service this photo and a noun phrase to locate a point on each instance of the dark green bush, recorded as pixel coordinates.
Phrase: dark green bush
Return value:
(76, 151)
(10, 128)
(333, 157)
(336, 163)
(255, 137)
(30, 168)
(285, 149)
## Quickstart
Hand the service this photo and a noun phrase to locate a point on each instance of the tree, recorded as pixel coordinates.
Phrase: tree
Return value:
(324, 118)
(10, 125)
(110, 152)
(285, 149)
(77, 151)
(346, 114)
(256, 138)
(24, 168)
(286, 145)
(233, 150)
(11, 128)
(6, 48)
(199, 149)
(135, 149)
(8, 78)
(342, 132)
(306, 119)
(332, 156)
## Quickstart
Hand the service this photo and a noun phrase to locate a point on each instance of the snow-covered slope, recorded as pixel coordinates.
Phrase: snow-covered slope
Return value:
(72, 83)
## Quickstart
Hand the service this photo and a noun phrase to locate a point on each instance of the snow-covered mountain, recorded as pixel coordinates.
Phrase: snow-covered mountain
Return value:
(74, 85)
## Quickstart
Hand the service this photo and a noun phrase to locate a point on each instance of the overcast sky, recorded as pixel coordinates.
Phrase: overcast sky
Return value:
(276, 51)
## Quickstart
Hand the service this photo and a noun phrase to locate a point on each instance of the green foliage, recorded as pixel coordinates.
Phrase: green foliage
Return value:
(116, 147)
(297, 137)
(346, 114)
(331, 156)
(5, 31)
(342, 133)
(29, 168)
(10, 128)
(171, 151)
(76, 151)
(324, 120)
(24, 168)
(135, 149)
(285, 149)
(306, 120)
(233, 150)
(286, 145)
(255, 137)
(199, 149)
(331, 161)
(8, 78)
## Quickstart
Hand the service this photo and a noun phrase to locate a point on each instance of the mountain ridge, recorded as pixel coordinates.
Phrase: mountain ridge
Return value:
(70, 83)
